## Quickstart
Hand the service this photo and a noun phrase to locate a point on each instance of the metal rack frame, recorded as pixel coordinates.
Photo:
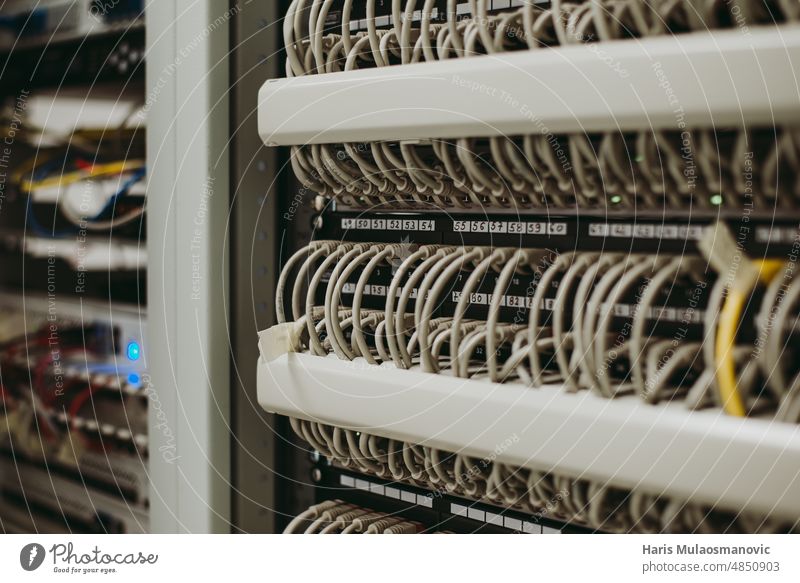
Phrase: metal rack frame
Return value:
(188, 167)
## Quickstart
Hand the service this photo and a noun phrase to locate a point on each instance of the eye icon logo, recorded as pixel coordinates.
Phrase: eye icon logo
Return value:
(31, 556)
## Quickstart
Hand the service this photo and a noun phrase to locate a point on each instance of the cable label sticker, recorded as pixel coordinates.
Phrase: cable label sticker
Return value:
(349, 288)
(644, 231)
(485, 299)
(510, 227)
(774, 234)
(361, 224)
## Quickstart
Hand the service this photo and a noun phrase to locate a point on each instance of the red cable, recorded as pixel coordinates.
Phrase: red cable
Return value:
(79, 400)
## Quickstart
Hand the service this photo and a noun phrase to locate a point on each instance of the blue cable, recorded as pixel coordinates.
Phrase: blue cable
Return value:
(38, 174)
(37, 227)
(122, 192)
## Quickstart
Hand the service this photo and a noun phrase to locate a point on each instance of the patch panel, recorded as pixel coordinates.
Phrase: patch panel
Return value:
(31, 494)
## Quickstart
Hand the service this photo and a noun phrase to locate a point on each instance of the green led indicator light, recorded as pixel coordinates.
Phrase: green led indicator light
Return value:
(616, 199)
(716, 199)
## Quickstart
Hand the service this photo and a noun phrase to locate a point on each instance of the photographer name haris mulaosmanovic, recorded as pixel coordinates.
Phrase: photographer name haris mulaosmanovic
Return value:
(697, 549)
(65, 554)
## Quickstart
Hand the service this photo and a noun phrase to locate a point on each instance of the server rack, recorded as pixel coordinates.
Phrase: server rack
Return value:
(260, 475)
(459, 102)
(74, 439)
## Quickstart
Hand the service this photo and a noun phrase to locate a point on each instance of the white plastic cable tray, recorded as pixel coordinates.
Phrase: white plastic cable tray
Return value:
(705, 79)
(705, 456)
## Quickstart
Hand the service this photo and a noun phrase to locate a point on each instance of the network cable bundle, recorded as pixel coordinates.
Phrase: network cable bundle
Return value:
(338, 517)
(74, 408)
(552, 278)
(74, 194)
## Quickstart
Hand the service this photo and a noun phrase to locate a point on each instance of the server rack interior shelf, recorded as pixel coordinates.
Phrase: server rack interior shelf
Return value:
(73, 346)
(550, 283)
(26, 24)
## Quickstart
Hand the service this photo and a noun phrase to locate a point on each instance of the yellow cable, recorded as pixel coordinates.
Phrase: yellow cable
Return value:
(31, 164)
(729, 320)
(71, 177)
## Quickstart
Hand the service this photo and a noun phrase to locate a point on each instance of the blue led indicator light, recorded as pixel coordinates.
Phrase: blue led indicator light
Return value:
(134, 351)
(133, 378)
